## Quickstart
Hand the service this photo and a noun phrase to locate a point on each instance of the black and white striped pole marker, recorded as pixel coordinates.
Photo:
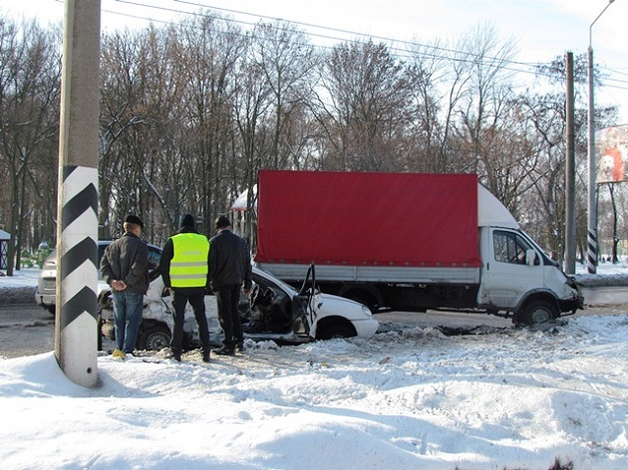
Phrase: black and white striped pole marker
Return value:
(76, 329)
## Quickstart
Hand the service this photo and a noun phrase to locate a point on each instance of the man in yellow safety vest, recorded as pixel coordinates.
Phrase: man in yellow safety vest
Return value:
(185, 270)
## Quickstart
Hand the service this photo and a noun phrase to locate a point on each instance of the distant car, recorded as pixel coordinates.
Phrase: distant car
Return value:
(45, 295)
(274, 311)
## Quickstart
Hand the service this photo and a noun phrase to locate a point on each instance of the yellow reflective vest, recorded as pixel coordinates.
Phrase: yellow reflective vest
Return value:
(188, 266)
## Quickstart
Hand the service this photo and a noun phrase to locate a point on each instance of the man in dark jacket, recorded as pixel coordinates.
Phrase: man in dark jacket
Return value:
(229, 269)
(184, 268)
(124, 266)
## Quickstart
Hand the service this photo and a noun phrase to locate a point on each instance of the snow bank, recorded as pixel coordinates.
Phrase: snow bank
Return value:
(408, 399)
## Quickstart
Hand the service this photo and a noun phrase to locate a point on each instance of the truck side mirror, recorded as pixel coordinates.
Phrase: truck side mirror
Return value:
(531, 258)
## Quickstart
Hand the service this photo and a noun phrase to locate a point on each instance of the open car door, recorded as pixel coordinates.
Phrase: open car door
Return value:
(276, 310)
(311, 302)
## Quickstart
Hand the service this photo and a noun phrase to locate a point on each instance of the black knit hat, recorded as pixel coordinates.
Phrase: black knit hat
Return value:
(133, 219)
(222, 222)
(187, 220)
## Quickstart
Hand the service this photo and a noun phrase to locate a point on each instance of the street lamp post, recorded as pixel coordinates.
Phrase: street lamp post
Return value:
(592, 206)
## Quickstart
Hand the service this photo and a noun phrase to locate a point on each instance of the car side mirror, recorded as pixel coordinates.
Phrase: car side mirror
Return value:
(531, 259)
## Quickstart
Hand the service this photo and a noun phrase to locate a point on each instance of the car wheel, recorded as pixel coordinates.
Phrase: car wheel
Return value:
(335, 330)
(154, 338)
(539, 311)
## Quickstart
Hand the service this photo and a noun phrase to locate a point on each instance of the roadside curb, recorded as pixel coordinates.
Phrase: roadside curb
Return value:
(605, 295)
(17, 295)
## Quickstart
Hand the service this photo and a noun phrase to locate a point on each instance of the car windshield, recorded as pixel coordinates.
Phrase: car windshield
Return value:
(273, 280)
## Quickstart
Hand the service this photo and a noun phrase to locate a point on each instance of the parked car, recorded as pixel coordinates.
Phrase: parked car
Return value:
(45, 295)
(274, 311)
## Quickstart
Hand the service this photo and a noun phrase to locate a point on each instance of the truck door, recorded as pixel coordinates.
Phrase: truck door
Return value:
(512, 268)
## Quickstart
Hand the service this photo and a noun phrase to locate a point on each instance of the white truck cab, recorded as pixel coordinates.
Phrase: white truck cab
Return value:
(517, 275)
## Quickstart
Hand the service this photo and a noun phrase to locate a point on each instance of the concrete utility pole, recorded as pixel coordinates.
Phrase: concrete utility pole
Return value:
(76, 328)
(570, 177)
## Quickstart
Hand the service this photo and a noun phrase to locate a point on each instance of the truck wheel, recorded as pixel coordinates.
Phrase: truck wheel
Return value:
(539, 311)
(335, 330)
(154, 338)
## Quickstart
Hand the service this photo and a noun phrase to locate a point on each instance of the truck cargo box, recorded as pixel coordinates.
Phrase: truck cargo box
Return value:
(368, 219)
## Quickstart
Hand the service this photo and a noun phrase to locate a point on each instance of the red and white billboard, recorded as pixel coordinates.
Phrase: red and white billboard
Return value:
(611, 148)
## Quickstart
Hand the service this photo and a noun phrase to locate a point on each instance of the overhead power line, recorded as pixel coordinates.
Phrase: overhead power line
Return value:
(394, 44)
(439, 52)
(345, 31)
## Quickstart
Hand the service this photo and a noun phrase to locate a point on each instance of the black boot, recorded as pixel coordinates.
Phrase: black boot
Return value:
(225, 351)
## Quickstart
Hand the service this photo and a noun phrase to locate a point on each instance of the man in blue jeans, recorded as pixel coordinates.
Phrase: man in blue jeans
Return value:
(124, 266)
(229, 272)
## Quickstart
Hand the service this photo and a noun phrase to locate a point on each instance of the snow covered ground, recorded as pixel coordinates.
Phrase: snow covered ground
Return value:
(405, 399)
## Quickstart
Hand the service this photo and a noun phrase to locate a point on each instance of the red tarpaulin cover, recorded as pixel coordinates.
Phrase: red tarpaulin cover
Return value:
(367, 219)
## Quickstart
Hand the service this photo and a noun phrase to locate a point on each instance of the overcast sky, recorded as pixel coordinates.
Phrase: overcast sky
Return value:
(542, 29)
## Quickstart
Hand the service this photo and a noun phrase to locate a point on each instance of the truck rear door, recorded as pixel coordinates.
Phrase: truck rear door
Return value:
(507, 275)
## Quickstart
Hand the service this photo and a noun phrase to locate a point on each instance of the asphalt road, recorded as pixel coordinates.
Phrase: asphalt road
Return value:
(29, 329)
(473, 321)
(25, 330)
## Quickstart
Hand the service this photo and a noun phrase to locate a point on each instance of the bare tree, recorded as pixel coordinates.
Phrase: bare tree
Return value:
(438, 83)
(29, 106)
(146, 152)
(191, 112)
(286, 60)
(488, 94)
(211, 51)
(541, 198)
(363, 105)
(120, 111)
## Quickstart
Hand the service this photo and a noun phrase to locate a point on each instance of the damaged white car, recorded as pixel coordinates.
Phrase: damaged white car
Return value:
(274, 311)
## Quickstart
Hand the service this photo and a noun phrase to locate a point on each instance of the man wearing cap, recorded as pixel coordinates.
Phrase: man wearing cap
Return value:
(184, 268)
(124, 266)
(229, 271)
